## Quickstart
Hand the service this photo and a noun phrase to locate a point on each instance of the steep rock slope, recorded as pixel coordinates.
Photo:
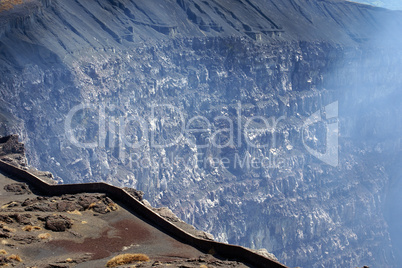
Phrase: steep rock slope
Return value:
(390, 4)
(151, 67)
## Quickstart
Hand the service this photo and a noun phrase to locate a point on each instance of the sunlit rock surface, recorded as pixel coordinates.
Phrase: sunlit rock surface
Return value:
(390, 4)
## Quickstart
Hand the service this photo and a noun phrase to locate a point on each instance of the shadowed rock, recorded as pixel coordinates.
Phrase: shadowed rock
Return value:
(18, 188)
(58, 223)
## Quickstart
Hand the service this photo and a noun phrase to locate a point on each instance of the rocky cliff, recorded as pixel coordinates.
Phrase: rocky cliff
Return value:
(203, 106)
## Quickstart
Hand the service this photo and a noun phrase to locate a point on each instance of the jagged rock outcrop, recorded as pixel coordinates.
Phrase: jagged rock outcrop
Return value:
(153, 67)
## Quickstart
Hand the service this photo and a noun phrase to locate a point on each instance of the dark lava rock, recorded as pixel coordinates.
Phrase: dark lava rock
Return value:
(56, 265)
(3, 260)
(100, 203)
(22, 218)
(4, 234)
(105, 205)
(86, 201)
(58, 223)
(6, 219)
(136, 193)
(64, 206)
(44, 207)
(29, 201)
(100, 208)
(69, 197)
(12, 204)
(11, 145)
(17, 188)
(192, 263)
(25, 239)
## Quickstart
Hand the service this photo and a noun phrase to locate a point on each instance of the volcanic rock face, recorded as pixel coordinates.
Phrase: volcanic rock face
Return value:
(101, 91)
